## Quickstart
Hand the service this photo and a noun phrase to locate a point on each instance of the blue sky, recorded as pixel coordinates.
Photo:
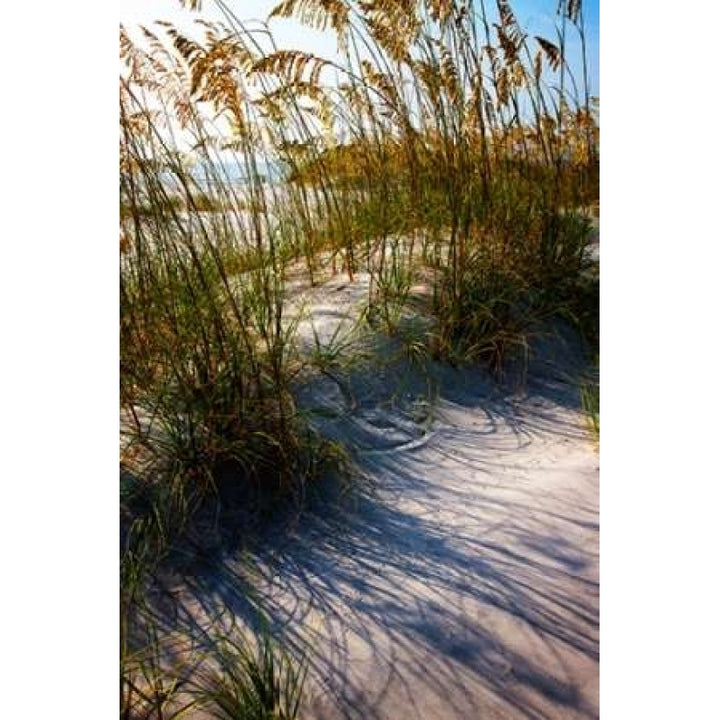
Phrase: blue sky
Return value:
(536, 16)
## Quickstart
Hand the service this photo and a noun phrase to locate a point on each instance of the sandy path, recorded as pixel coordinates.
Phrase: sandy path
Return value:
(461, 579)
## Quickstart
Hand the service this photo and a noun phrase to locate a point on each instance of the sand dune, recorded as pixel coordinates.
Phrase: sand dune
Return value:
(459, 577)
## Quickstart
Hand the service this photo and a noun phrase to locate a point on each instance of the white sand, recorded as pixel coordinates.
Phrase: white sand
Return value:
(462, 580)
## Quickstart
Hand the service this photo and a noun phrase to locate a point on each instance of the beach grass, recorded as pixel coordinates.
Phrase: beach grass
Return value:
(445, 152)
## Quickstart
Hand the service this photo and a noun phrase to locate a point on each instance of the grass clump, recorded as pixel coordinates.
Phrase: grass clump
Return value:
(466, 155)
(230, 675)
(252, 683)
(590, 395)
(150, 686)
(207, 356)
(591, 405)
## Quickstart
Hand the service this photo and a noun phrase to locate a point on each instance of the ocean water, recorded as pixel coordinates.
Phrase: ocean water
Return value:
(236, 173)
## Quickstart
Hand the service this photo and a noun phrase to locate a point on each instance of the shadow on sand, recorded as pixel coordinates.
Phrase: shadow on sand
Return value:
(458, 578)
